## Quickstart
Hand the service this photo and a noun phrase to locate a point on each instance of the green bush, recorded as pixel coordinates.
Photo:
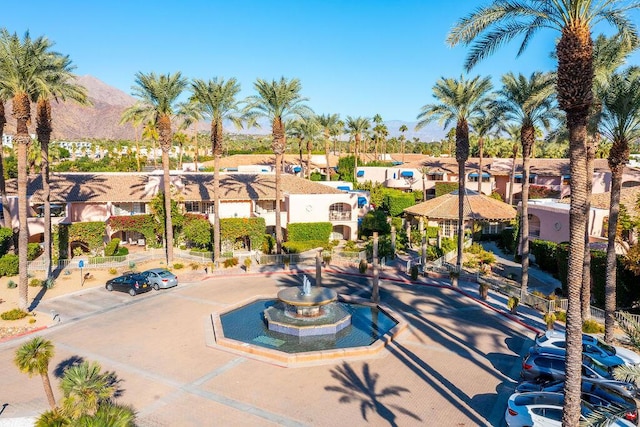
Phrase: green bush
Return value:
(414, 272)
(449, 245)
(9, 265)
(318, 231)
(11, 284)
(178, 265)
(268, 244)
(297, 247)
(432, 232)
(112, 247)
(590, 326)
(6, 240)
(15, 314)
(113, 271)
(375, 221)
(35, 282)
(33, 251)
(561, 316)
(362, 266)
(395, 204)
(351, 246)
(122, 251)
(545, 253)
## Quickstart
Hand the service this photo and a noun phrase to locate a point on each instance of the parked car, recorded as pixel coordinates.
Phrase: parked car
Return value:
(538, 366)
(592, 346)
(609, 392)
(159, 278)
(132, 283)
(544, 409)
(606, 360)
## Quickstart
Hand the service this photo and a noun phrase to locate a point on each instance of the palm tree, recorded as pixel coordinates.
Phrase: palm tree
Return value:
(277, 101)
(23, 74)
(190, 114)
(159, 93)
(33, 358)
(529, 103)
(85, 388)
(621, 124)
(150, 132)
(216, 99)
(137, 115)
(60, 86)
(460, 101)
(356, 127)
(330, 124)
(402, 130)
(487, 28)
(483, 125)
(307, 130)
(377, 121)
(6, 212)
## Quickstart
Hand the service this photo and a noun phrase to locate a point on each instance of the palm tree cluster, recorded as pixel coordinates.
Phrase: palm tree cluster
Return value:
(88, 392)
(489, 27)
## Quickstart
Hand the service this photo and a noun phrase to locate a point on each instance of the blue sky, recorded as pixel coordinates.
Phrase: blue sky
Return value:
(353, 57)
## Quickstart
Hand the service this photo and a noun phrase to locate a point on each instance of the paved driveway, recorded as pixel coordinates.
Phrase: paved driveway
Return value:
(455, 365)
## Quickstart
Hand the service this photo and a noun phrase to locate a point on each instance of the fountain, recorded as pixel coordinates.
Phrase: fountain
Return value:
(307, 311)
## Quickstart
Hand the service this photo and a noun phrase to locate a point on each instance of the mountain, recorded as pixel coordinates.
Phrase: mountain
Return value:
(73, 122)
(100, 120)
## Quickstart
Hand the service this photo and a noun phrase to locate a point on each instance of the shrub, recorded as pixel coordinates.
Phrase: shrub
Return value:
(297, 247)
(247, 263)
(414, 272)
(15, 314)
(268, 244)
(318, 231)
(33, 251)
(49, 283)
(122, 251)
(32, 320)
(561, 316)
(351, 246)
(6, 239)
(11, 284)
(362, 267)
(178, 266)
(231, 262)
(112, 247)
(9, 265)
(590, 326)
(35, 282)
(545, 254)
(113, 271)
(512, 303)
(194, 266)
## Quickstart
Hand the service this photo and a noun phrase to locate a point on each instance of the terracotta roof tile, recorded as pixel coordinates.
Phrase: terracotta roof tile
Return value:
(476, 206)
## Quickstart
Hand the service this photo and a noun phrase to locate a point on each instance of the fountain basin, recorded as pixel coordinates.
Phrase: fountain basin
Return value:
(327, 319)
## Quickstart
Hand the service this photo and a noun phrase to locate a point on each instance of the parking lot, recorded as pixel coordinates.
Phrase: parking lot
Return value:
(456, 364)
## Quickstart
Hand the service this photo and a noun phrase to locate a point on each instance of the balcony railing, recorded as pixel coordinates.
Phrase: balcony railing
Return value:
(339, 216)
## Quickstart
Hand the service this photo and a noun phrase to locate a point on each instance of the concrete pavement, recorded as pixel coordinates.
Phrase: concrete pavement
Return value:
(456, 365)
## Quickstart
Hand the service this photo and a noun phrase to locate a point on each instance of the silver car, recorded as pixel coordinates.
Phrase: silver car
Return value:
(159, 278)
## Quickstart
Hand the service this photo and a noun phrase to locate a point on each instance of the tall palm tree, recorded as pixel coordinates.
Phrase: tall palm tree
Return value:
(60, 86)
(190, 114)
(330, 124)
(216, 99)
(459, 101)
(528, 103)
(6, 212)
(33, 358)
(307, 130)
(356, 127)
(621, 124)
(137, 115)
(85, 387)
(482, 126)
(22, 75)
(487, 28)
(150, 132)
(377, 127)
(277, 100)
(160, 94)
(402, 129)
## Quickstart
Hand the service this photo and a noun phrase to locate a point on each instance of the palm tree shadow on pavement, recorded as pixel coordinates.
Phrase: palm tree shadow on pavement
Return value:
(363, 390)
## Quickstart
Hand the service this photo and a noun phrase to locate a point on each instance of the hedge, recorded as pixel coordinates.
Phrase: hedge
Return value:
(305, 231)
(112, 247)
(293, 247)
(375, 221)
(33, 251)
(6, 239)
(9, 265)
(443, 188)
(395, 204)
(232, 229)
(545, 253)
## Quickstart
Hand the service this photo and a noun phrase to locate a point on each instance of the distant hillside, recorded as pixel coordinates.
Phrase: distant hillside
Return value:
(101, 119)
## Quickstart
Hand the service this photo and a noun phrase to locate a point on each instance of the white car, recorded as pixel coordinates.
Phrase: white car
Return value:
(592, 346)
(542, 409)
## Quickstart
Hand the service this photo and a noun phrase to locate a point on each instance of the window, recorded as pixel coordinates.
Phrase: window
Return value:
(199, 207)
(491, 228)
(566, 179)
(437, 176)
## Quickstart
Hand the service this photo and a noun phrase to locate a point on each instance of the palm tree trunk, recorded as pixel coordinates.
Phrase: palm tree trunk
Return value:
(462, 154)
(309, 160)
(6, 211)
(610, 283)
(216, 148)
(355, 158)
(279, 143)
(585, 297)
(48, 390)
(480, 148)
(22, 113)
(327, 147)
(43, 131)
(135, 131)
(164, 131)
(195, 137)
(528, 137)
(513, 173)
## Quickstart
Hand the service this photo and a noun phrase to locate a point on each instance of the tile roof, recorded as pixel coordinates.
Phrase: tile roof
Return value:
(137, 186)
(629, 197)
(476, 206)
(267, 160)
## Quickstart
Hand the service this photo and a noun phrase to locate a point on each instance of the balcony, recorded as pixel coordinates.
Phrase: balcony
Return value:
(339, 216)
